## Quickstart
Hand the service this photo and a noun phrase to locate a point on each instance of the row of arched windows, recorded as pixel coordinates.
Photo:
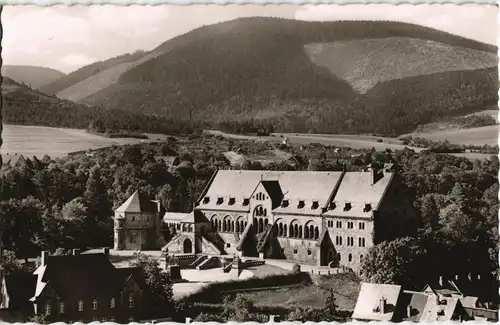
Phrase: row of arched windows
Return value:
(228, 224)
(309, 231)
(350, 241)
(260, 224)
(260, 211)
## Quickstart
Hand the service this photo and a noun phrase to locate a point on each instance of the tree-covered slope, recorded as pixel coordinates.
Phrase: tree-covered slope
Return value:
(262, 69)
(25, 106)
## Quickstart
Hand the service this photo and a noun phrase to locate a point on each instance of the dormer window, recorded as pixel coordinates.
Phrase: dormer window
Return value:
(246, 202)
(347, 206)
(285, 203)
(332, 206)
(220, 200)
(301, 204)
(315, 205)
(232, 200)
(206, 199)
(368, 207)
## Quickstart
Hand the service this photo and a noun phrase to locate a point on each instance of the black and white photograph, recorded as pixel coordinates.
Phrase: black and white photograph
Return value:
(249, 163)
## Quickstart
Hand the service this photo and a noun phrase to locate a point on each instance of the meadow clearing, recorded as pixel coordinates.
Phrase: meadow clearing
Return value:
(57, 142)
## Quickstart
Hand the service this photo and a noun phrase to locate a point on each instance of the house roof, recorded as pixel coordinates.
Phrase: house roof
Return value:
(369, 299)
(76, 276)
(307, 187)
(295, 185)
(356, 188)
(20, 287)
(12, 159)
(168, 160)
(138, 203)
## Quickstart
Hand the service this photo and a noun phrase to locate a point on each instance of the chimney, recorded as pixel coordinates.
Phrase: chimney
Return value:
(105, 250)
(382, 305)
(76, 251)
(408, 311)
(45, 257)
(375, 173)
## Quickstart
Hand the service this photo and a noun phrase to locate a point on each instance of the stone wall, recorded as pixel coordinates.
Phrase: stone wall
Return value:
(301, 250)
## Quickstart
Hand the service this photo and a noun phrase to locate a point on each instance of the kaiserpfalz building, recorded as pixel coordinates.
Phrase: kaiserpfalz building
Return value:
(311, 217)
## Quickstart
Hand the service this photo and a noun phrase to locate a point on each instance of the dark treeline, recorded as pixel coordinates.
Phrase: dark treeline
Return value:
(66, 203)
(26, 106)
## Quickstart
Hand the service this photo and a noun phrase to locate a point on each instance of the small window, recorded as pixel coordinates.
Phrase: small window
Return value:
(206, 199)
(131, 301)
(228, 245)
(80, 305)
(309, 252)
(61, 307)
(285, 203)
(232, 200)
(301, 204)
(220, 200)
(350, 257)
(295, 251)
(332, 206)
(339, 224)
(246, 202)
(361, 258)
(112, 303)
(347, 206)
(94, 304)
(315, 205)
(48, 309)
(368, 207)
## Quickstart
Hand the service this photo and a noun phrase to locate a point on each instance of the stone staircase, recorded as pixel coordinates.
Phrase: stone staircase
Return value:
(264, 236)
(244, 234)
(209, 263)
(198, 261)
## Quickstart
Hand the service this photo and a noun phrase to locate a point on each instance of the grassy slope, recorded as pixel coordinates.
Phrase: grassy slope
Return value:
(364, 63)
(88, 71)
(32, 76)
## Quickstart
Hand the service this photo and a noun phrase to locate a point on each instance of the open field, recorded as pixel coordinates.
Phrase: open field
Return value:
(345, 286)
(475, 136)
(57, 142)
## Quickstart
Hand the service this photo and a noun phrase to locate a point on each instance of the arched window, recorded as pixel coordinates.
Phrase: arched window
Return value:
(219, 225)
(300, 231)
(256, 224)
(361, 258)
(316, 233)
(237, 226)
(350, 257)
(261, 225)
(306, 232)
(266, 222)
(284, 230)
(296, 231)
(311, 231)
(280, 229)
(232, 226)
(265, 212)
(242, 225)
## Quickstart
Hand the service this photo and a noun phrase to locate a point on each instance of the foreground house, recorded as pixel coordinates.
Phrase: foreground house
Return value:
(86, 288)
(317, 218)
(388, 302)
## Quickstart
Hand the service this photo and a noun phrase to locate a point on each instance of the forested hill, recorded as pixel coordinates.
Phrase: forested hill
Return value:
(25, 106)
(32, 76)
(302, 76)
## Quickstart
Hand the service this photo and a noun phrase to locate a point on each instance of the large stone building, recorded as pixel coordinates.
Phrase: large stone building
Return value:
(318, 218)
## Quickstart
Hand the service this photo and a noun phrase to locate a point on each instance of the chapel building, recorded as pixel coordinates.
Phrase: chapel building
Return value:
(311, 217)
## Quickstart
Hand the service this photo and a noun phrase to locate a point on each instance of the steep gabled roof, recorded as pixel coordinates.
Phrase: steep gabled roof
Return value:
(20, 287)
(83, 275)
(369, 299)
(138, 203)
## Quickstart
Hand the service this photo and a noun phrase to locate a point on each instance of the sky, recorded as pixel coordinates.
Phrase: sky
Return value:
(66, 38)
